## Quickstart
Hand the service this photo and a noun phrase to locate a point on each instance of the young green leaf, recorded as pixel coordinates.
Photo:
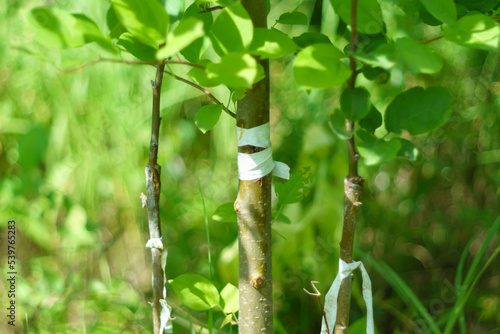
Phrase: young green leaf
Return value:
(418, 110)
(383, 56)
(229, 299)
(188, 31)
(294, 18)
(225, 213)
(238, 94)
(92, 33)
(56, 28)
(271, 43)
(232, 30)
(195, 291)
(147, 20)
(235, 70)
(419, 58)
(200, 75)
(369, 14)
(476, 31)
(310, 38)
(371, 121)
(376, 150)
(194, 50)
(207, 116)
(138, 49)
(280, 217)
(319, 66)
(355, 103)
(443, 10)
(226, 320)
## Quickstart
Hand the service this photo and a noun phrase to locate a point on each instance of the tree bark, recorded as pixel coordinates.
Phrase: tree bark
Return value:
(353, 189)
(153, 186)
(253, 206)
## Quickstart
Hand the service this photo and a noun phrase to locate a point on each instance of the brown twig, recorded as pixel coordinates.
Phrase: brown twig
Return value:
(432, 40)
(121, 61)
(204, 90)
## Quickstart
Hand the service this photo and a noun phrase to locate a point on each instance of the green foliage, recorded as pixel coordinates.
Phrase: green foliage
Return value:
(229, 299)
(295, 189)
(476, 31)
(207, 116)
(371, 121)
(271, 43)
(235, 70)
(417, 57)
(293, 18)
(310, 38)
(443, 10)
(418, 110)
(146, 20)
(232, 30)
(320, 66)
(355, 103)
(376, 150)
(225, 213)
(138, 49)
(369, 14)
(188, 31)
(195, 291)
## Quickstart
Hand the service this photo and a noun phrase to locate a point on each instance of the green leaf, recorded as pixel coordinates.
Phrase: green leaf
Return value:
(147, 20)
(337, 124)
(195, 291)
(238, 94)
(319, 66)
(377, 74)
(201, 76)
(271, 43)
(235, 70)
(226, 320)
(296, 18)
(443, 10)
(229, 299)
(232, 30)
(138, 49)
(369, 14)
(174, 8)
(295, 189)
(114, 25)
(476, 31)
(371, 121)
(194, 51)
(92, 33)
(207, 116)
(375, 150)
(188, 31)
(407, 150)
(280, 217)
(418, 110)
(56, 28)
(355, 103)
(419, 58)
(225, 213)
(310, 38)
(383, 56)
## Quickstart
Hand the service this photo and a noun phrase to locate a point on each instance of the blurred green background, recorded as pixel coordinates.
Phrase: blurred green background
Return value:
(73, 147)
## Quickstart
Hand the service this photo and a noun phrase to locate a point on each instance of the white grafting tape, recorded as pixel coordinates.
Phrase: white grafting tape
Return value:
(345, 270)
(256, 165)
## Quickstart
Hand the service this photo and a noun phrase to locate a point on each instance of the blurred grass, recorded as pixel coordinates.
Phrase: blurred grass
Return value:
(73, 150)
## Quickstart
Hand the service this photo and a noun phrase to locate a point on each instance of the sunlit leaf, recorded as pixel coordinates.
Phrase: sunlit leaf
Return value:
(201, 76)
(207, 116)
(229, 299)
(369, 14)
(443, 10)
(225, 213)
(309, 38)
(147, 20)
(319, 66)
(271, 43)
(195, 291)
(232, 30)
(376, 150)
(140, 50)
(294, 18)
(476, 31)
(235, 70)
(295, 189)
(188, 31)
(419, 58)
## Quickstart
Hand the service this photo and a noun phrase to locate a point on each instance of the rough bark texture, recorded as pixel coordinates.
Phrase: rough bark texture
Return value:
(153, 186)
(253, 206)
(353, 189)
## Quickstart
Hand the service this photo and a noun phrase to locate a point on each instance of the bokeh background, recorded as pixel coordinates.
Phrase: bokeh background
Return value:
(73, 147)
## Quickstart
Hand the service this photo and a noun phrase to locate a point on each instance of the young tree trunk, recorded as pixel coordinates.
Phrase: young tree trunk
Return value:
(153, 186)
(353, 189)
(253, 206)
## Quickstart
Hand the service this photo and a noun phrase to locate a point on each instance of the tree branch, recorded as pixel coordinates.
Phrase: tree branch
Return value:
(121, 61)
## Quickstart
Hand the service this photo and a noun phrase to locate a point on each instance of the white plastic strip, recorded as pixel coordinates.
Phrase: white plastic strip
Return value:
(345, 270)
(166, 310)
(256, 165)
